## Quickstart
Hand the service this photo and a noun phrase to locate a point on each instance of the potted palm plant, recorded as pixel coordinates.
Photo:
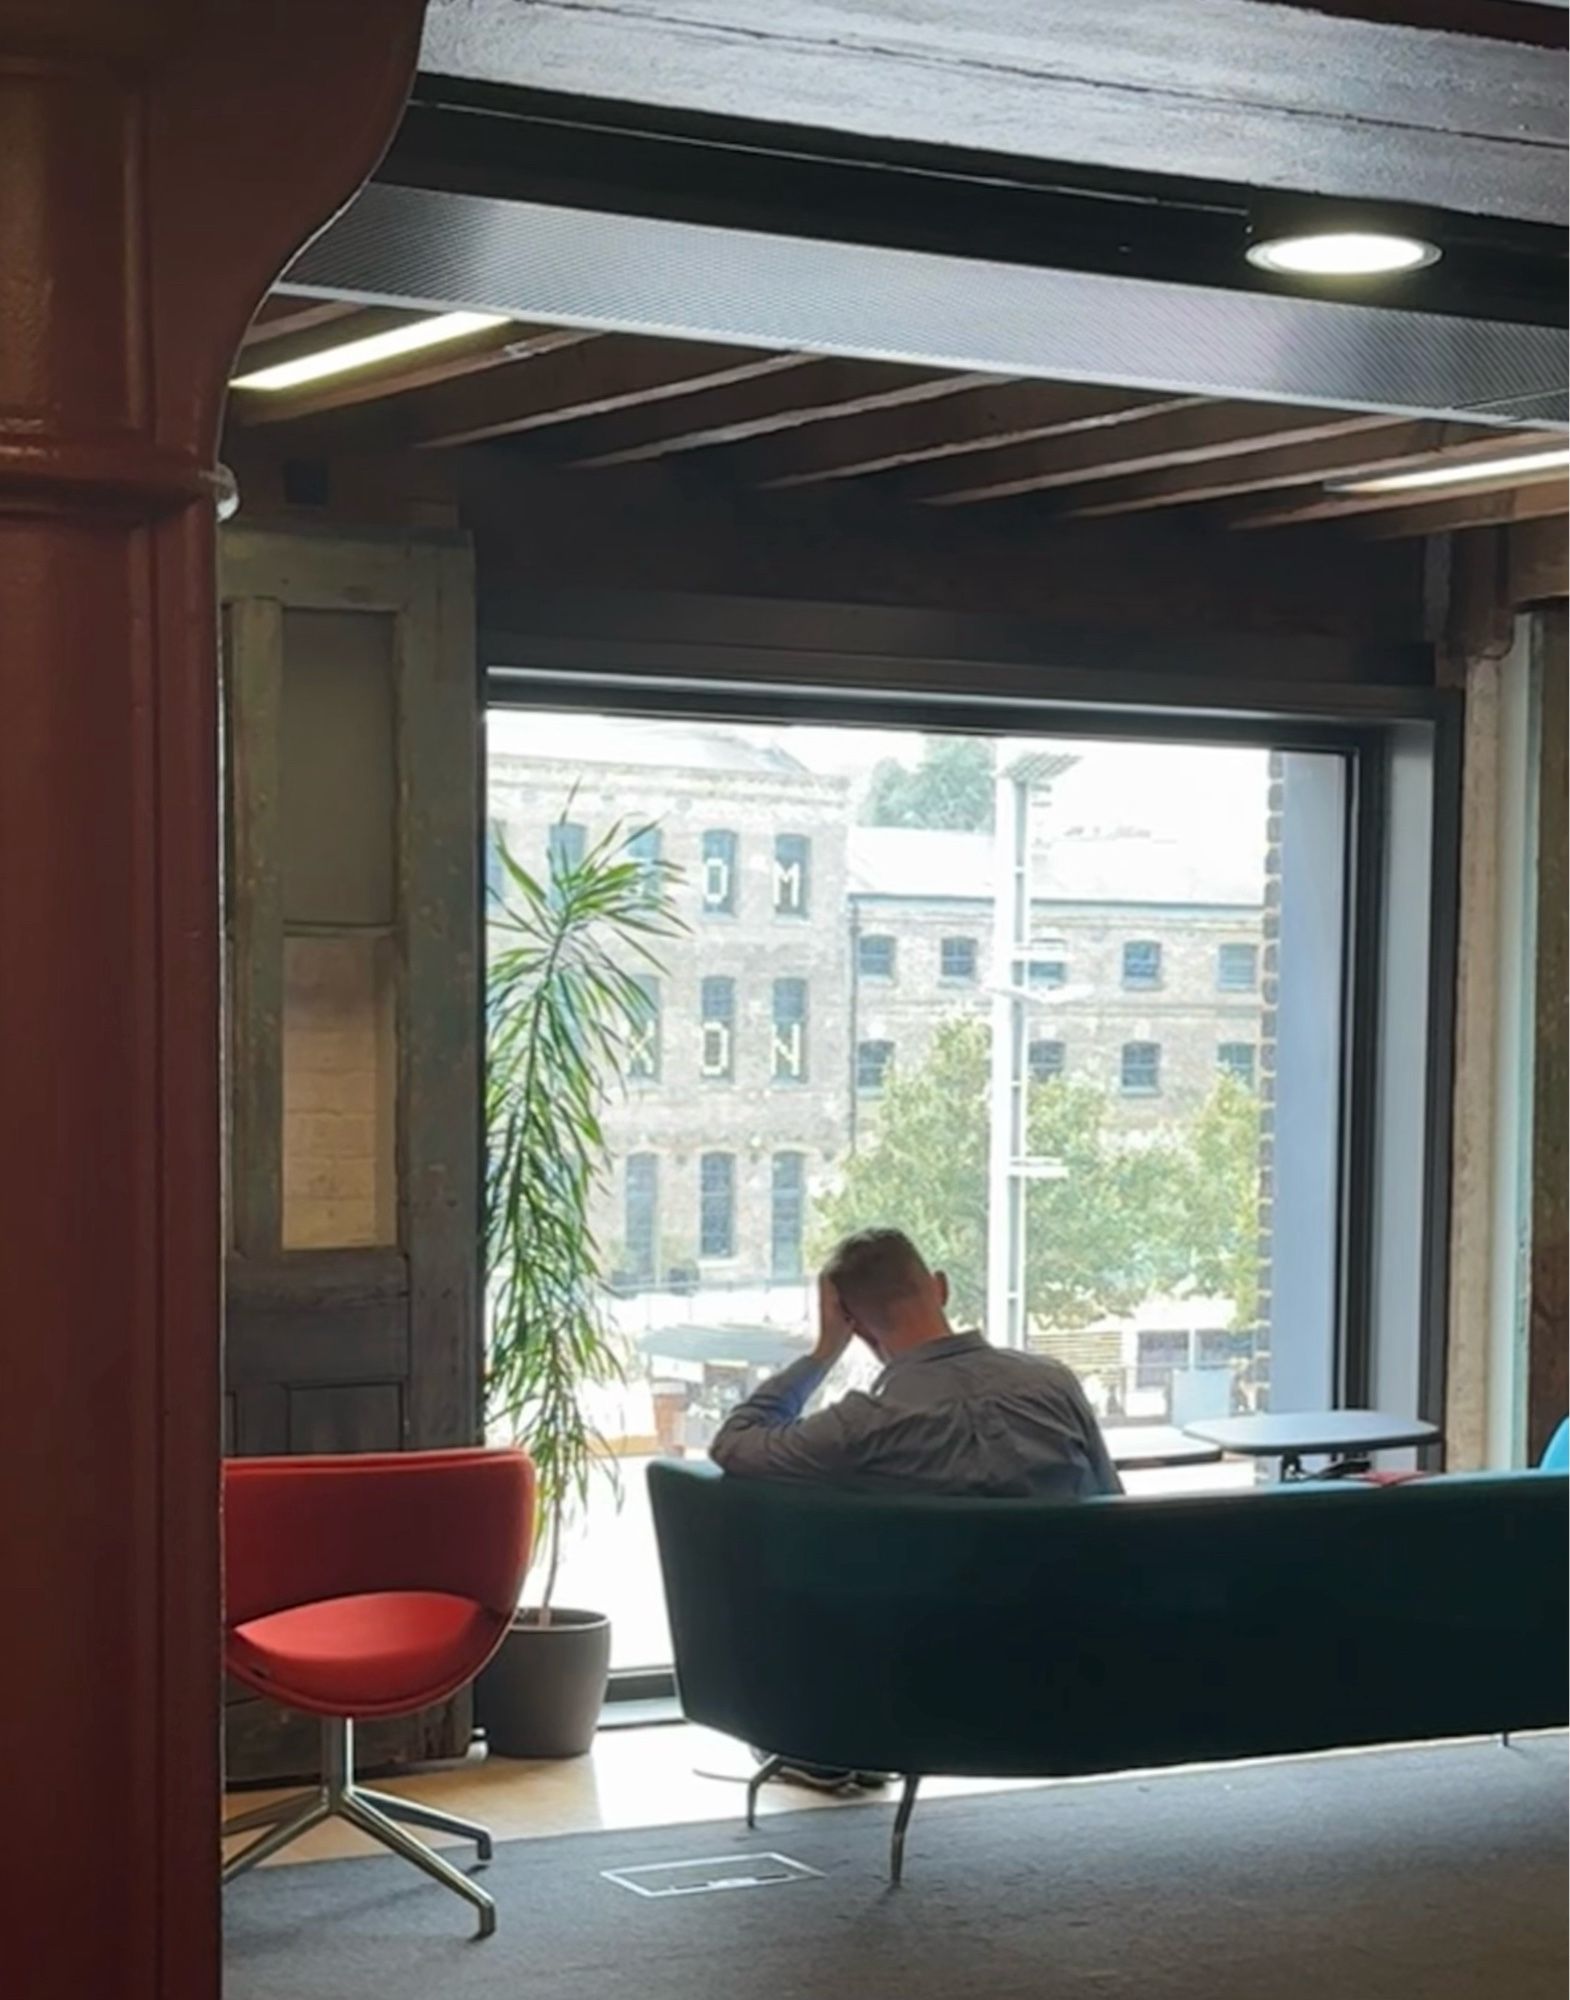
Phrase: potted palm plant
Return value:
(563, 999)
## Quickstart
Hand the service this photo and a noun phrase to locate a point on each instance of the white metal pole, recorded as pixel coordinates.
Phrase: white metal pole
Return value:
(1008, 1076)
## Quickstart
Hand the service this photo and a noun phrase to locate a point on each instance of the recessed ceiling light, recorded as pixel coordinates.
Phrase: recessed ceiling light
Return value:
(1342, 253)
(350, 354)
(1526, 464)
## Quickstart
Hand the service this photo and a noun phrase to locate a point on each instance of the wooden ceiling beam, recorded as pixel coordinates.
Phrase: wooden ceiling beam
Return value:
(278, 317)
(988, 416)
(479, 353)
(1459, 512)
(1397, 448)
(821, 391)
(589, 379)
(1494, 500)
(1193, 435)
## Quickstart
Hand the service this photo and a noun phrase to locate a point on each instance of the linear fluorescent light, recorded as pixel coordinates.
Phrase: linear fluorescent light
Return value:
(366, 353)
(1342, 253)
(1557, 460)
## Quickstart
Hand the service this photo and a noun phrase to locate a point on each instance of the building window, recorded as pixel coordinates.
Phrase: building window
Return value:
(787, 1199)
(496, 877)
(1142, 965)
(1045, 974)
(875, 957)
(1237, 968)
(1046, 1061)
(1158, 1355)
(644, 847)
(717, 1003)
(717, 1205)
(565, 846)
(641, 1222)
(792, 857)
(1236, 1060)
(1141, 1069)
(643, 1031)
(873, 1062)
(719, 873)
(788, 1062)
(957, 958)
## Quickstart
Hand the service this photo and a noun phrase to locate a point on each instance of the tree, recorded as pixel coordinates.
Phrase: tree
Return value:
(951, 786)
(1134, 1215)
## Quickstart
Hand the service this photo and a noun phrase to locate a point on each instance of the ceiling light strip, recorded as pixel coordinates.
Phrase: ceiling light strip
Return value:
(367, 352)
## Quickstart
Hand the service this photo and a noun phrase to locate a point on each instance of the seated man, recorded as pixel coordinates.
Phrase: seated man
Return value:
(948, 1414)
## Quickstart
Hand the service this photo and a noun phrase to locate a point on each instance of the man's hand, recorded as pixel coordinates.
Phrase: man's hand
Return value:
(835, 1331)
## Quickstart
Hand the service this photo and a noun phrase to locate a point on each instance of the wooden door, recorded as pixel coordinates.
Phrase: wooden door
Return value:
(352, 757)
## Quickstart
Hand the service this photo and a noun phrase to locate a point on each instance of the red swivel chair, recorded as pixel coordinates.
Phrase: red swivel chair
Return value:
(366, 1586)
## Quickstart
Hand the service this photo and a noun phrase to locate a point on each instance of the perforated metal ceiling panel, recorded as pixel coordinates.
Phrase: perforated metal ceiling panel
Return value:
(633, 274)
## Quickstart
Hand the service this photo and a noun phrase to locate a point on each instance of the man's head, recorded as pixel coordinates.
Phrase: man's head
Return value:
(889, 1296)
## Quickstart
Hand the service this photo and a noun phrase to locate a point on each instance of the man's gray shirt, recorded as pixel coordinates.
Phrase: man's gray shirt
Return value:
(951, 1416)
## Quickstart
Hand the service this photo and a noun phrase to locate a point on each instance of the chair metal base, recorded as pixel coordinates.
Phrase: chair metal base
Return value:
(770, 1768)
(377, 1814)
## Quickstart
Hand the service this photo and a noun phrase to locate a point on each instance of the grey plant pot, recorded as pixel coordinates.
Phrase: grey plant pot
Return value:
(542, 1694)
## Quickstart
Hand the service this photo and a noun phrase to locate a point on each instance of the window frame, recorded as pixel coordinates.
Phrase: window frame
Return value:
(730, 860)
(799, 1195)
(1154, 982)
(865, 938)
(664, 655)
(721, 1020)
(706, 1195)
(1046, 1042)
(1127, 1089)
(1224, 1068)
(798, 983)
(884, 1042)
(1223, 984)
(649, 1278)
(972, 946)
(801, 909)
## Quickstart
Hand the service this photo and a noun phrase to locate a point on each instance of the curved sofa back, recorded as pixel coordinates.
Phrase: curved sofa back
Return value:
(1017, 1638)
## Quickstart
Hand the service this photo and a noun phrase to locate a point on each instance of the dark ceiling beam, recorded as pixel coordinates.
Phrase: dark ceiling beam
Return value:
(819, 392)
(992, 414)
(1227, 91)
(280, 317)
(1395, 449)
(479, 353)
(589, 379)
(1493, 500)
(1194, 435)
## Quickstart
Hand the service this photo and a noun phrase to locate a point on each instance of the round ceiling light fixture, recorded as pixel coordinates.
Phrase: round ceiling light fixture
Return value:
(1342, 253)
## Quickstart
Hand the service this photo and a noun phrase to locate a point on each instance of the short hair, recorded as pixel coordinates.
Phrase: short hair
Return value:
(873, 1270)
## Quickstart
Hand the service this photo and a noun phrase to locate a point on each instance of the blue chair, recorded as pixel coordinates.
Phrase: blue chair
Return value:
(1556, 1453)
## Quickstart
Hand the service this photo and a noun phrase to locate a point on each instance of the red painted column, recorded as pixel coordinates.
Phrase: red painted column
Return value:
(159, 162)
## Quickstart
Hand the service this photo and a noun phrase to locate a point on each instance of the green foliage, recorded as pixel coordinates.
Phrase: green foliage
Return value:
(1135, 1214)
(561, 997)
(951, 786)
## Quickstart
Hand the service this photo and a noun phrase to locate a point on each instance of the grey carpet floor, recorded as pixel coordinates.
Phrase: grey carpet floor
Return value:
(1436, 1873)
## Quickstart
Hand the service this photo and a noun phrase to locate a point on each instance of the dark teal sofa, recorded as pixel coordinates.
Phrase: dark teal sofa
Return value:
(935, 1636)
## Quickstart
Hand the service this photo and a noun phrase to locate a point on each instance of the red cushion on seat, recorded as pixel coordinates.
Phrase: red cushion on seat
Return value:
(385, 1652)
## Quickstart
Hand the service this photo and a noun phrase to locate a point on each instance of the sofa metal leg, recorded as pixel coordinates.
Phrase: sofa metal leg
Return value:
(408, 1812)
(366, 1817)
(769, 1768)
(907, 1805)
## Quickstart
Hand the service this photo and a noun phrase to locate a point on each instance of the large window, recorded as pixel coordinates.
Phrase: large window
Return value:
(565, 845)
(717, 1205)
(788, 1059)
(826, 1036)
(717, 1016)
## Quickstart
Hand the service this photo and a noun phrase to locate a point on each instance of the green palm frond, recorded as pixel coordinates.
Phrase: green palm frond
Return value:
(562, 997)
